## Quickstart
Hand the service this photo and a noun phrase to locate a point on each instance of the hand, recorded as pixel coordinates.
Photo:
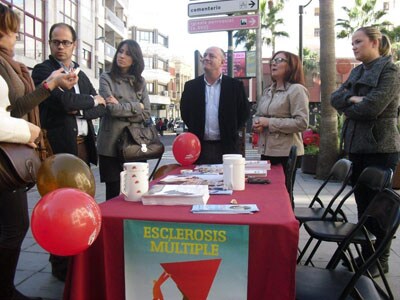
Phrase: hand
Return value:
(141, 105)
(35, 132)
(111, 100)
(260, 123)
(100, 100)
(356, 99)
(60, 79)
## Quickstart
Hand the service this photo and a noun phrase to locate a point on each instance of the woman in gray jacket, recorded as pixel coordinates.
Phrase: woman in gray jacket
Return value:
(128, 102)
(370, 99)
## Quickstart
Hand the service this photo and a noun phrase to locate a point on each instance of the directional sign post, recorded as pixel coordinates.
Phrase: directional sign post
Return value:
(201, 9)
(223, 23)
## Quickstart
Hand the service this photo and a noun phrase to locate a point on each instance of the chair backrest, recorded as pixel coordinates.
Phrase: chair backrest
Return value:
(374, 178)
(290, 171)
(385, 210)
(341, 171)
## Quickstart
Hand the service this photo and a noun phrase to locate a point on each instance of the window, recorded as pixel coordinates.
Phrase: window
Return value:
(148, 63)
(385, 5)
(162, 65)
(163, 40)
(316, 11)
(31, 41)
(162, 90)
(87, 56)
(316, 32)
(100, 69)
(150, 87)
(146, 36)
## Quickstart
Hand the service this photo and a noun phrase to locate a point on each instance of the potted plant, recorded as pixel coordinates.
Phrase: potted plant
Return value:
(311, 150)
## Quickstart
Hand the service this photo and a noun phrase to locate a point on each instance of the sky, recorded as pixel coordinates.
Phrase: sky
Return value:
(172, 20)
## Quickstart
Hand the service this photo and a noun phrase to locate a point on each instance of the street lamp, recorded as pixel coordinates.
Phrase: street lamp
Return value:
(301, 9)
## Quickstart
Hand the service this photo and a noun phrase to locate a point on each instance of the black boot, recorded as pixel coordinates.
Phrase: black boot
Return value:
(59, 266)
(8, 266)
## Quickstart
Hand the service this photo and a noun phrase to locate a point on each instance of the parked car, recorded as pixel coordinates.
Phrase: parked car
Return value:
(180, 127)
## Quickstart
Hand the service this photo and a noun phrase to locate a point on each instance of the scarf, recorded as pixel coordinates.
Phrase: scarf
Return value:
(33, 116)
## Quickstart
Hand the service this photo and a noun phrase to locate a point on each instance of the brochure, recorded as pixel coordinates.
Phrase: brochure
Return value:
(172, 194)
(225, 209)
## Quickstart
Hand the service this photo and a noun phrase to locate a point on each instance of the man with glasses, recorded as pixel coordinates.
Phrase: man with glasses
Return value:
(214, 107)
(66, 115)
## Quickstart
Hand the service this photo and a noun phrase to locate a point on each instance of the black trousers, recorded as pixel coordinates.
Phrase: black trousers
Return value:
(364, 195)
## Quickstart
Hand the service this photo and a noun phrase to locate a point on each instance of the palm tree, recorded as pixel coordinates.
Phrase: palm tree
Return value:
(269, 22)
(328, 128)
(362, 14)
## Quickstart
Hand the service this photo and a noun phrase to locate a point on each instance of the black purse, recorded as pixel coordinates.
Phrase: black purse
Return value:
(139, 142)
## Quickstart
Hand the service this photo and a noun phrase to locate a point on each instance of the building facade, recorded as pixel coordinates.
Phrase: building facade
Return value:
(101, 25)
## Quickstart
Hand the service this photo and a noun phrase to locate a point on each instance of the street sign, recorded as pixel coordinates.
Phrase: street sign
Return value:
(223, 23)
(202, 9)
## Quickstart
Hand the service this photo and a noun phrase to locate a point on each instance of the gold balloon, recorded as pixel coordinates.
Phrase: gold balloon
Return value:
(65, 170)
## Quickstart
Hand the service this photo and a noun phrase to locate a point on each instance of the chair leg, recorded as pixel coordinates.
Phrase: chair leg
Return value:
(304, 250)
(308, 260)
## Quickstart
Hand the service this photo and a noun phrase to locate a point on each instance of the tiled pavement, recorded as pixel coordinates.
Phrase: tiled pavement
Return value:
(34, 274)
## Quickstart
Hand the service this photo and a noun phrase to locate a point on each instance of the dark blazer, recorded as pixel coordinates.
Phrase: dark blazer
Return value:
(234, 110)
(57, 112)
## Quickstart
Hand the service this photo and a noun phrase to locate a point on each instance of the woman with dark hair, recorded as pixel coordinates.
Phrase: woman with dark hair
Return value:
(282, 113)
(370, 100)
(128, 102)
(17, 85)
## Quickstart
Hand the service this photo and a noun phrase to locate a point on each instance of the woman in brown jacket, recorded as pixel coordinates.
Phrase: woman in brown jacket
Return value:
(282, 113)
(14, 219)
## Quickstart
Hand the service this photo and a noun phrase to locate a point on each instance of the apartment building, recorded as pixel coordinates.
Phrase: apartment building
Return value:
(101, 25)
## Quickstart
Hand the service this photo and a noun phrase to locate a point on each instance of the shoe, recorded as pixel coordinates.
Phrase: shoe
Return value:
(59, 274)
(17, 295)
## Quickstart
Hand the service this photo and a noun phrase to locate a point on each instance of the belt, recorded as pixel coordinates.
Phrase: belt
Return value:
(80, 139)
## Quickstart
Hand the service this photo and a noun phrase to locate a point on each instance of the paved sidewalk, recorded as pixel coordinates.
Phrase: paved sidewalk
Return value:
(34, 277)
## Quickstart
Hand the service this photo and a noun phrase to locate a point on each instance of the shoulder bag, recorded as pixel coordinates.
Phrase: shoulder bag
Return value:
(19, 165)
(139, 142)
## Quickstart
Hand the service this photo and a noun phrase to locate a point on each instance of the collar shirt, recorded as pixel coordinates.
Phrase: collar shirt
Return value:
(211, 127)
(80, 121)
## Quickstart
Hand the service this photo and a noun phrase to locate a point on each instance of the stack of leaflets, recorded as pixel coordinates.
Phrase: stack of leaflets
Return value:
(225, 209)
(215, 182)
(253, 168)
(173, 194)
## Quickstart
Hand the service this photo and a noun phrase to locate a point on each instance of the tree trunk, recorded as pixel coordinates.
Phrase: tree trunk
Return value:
(328, 129)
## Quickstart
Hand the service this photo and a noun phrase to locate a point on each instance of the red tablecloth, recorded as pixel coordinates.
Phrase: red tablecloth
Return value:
(98, 273)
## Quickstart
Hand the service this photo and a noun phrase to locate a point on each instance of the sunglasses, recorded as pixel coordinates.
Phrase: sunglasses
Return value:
(278, 60)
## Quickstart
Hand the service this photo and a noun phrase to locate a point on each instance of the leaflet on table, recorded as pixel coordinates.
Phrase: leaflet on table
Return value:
(173, 194)
(225, 209)
(215, 182)
(253, 168)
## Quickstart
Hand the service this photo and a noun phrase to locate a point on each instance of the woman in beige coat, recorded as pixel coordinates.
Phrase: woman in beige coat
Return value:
(282, 113)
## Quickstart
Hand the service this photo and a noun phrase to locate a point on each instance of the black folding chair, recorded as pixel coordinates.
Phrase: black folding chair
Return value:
(341, 172)
(332, 283)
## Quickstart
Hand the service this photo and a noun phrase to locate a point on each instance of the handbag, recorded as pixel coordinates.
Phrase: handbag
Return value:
(19, 165)
(139, 142)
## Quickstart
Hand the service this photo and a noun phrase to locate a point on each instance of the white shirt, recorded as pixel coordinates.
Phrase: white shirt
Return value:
(211, 127)
(80, 121)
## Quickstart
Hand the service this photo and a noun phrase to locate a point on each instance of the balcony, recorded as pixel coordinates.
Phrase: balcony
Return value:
(109, 51)
(116, 23)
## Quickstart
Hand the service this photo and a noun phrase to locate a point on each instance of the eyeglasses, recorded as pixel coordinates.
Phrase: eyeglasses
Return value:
(57, 43)
(278, 60)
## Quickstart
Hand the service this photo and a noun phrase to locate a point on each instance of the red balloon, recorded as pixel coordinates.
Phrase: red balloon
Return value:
(186, 148)
(66, 221)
